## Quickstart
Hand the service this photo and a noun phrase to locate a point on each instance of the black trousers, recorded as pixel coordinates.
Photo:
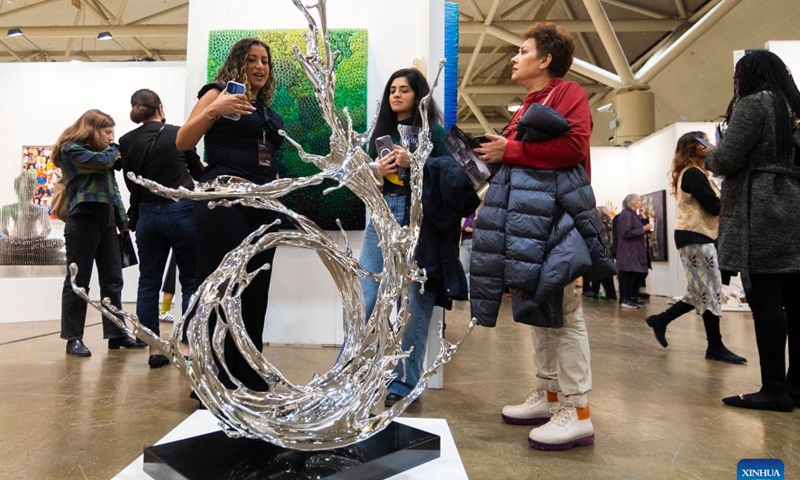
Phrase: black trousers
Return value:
(629, 283)
(219, 231)
(90, 235)
(775, 302)
(594, 286)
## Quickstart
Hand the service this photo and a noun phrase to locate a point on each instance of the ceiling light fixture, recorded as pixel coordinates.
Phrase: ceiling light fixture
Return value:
(105, 36)
(14, 32)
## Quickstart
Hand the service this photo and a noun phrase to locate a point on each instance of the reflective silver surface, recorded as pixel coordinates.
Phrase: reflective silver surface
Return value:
(24, 228)
(345, 404)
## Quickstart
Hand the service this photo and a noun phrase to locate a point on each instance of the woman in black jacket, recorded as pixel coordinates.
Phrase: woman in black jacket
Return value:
(161, 224)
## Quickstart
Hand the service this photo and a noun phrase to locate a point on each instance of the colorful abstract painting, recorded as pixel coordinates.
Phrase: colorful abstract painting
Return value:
(655, 207)
(36, 161)
(294, 101)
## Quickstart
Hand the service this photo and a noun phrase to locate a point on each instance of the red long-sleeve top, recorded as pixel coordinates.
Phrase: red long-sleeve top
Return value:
(569, 150)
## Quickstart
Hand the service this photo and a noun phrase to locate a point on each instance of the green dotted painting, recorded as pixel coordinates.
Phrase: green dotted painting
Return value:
(294, 100)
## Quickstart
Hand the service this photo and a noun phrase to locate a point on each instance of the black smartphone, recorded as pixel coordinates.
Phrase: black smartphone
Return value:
(702, 141)
(481, 139)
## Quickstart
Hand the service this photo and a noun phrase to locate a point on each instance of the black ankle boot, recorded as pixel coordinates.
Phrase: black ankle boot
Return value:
(157, 361)
(659, 322)
(721, 354)
(125, 342)
(794, 392)
(77, 348)
(659, 325)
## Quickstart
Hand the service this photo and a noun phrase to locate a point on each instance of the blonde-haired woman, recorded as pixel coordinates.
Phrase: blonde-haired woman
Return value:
(695, 233)
(86, 154)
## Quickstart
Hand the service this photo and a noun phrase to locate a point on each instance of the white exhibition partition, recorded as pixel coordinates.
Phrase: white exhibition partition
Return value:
(305, 307)
(39, 100)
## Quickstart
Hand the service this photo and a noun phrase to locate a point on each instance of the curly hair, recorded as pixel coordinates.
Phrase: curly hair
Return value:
(685, 157)
(556, 41)
(235, 68)
(85, 130)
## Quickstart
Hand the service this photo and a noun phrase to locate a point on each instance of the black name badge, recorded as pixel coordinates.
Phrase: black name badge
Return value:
(266, 152)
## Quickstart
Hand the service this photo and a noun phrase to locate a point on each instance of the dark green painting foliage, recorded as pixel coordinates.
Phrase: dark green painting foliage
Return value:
(294, 100)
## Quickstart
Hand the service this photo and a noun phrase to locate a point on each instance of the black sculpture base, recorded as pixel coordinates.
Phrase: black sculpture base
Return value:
(215, 456)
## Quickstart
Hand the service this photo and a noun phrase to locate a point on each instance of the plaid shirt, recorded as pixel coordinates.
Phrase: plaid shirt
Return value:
(89, 177)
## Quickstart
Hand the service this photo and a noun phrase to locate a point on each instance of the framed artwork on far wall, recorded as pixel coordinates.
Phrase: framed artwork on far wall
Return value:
(36, 161)
(655, 205)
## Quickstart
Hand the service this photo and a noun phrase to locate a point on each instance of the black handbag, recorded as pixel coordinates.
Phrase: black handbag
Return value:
(126, 251)
(541, 122)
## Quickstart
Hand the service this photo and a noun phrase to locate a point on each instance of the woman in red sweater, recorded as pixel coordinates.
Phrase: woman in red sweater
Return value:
(561, 355)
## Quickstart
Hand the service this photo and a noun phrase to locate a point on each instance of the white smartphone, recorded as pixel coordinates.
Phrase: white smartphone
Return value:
(234, 88)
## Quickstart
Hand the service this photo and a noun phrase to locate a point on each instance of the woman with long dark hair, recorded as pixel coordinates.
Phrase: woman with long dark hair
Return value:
(400, 106)
(86, 154)
(695, 233)
(161, 224)
(759, 235)
(244, 148)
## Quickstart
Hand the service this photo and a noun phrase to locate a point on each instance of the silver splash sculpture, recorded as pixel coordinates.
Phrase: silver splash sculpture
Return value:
(344, 405)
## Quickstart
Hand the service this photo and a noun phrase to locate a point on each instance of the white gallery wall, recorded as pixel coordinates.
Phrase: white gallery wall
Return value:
(39, 100)
(304, 302)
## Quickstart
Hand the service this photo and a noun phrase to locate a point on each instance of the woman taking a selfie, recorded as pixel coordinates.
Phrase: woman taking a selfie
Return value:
(244, 148)
(86, 154)
(161, 224)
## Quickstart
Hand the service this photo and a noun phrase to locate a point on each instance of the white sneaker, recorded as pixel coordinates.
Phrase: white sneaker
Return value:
(563, 431)
(534, 411)
(167, 317)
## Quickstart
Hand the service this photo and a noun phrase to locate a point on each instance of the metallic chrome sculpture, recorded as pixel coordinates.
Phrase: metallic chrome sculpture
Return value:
(344, 405)
(24, 228)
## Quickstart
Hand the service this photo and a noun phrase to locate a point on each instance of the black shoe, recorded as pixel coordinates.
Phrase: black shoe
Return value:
(391, 399)
(589, 294)
(794, 392)
(643, 295)
(157, 361)
(659, 329)
(77, 348)
(781, 402)
(194, 396)
(611, 298)
(722, 354)
(125, 342)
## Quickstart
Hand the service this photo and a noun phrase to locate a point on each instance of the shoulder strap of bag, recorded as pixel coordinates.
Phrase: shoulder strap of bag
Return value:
(135, 192)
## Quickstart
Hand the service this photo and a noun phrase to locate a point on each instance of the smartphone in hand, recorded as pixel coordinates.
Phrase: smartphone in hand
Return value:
(234, 88)
(384, 145)
(481, 139)
(702, 141)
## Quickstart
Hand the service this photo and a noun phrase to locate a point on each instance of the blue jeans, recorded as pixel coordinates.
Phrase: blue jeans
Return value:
(420, 305)
(164, 225)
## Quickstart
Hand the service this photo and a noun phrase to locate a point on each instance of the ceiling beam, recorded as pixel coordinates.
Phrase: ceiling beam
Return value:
(513, 8)
(610, 41)
(681, 8)
(544, 10)
(596, 73)
(660, 61)
(575, 26)
(117, 54)
(159, 14)
(476, 10)
(581, 37)
(633, 8)
(10, 53)
(118, 31)
(26, 7)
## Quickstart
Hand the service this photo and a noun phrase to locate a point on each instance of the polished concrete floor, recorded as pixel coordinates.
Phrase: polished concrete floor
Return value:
(657, 412)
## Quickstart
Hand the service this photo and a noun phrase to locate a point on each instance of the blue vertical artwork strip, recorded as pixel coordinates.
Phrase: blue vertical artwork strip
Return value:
(451, 68)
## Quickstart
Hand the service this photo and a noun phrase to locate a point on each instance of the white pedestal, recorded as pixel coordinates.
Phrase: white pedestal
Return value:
(447, 466)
